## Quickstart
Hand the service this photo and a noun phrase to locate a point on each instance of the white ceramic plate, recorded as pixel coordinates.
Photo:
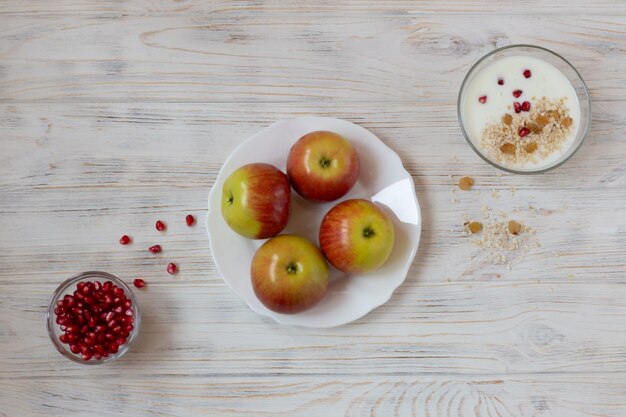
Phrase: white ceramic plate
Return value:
(382, 179)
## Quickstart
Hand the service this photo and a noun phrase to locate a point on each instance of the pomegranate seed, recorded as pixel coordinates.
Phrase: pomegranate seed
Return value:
(517, 93)
(127, 304)
(527, 73)
(526, 106)
(119, 292)
(74, 348)
(160, 226)
(125, 240)
(517, 107)
(63, 338)
(500, 81)
(110, 336)
(523, 132)
(128, 320)
(129, 312)
(120, 340)
(139, 283)
(172, 268)
(86, 356)
(116, 329)
(482, 99)
(190, 220)
(113, 347)
(155, 249)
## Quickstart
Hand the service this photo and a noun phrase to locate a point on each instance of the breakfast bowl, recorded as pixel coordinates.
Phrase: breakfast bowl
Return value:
(93, 318)
(524, 109)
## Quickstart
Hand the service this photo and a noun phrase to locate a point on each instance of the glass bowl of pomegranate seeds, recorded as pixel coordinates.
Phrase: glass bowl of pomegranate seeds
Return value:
(524, 109)
(93, 318)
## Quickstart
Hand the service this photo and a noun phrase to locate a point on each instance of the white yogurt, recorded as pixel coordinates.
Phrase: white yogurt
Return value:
(545, 81)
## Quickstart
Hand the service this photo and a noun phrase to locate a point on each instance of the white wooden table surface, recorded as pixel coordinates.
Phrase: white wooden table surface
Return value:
(115, 114)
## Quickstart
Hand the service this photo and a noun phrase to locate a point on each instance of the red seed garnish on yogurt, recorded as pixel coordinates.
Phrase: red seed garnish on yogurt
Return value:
(523, 132)
(517, 93)
(517, 107)
(482, 99)
(526, 106)
(527, 73)
(125, 240)
(160, 226)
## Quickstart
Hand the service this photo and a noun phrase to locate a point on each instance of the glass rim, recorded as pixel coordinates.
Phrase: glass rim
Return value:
(574, 148)
(61, 289)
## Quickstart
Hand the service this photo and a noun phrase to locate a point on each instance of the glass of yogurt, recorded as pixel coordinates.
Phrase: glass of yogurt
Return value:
(524, 109)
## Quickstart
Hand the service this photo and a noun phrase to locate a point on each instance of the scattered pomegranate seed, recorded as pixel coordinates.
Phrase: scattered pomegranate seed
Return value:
(517, 93)
(517, 107)
(500, 81)
(172, 268)
(190, 220)
(523, 132)
(139, 283)
(160, 226)
(93, 328)
(526, 106)
(482, 99)
(125, 240)
(527, 73)
(155, 249)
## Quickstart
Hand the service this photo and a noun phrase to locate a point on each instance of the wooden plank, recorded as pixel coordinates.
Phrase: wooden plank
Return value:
(278, 57)
(498, 396)
(119, 9)
(195, 326)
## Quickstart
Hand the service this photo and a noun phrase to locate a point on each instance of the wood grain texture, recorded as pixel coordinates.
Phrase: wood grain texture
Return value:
(115, 114)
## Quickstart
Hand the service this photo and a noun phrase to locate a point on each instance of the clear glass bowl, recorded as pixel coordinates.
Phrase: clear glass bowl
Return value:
(561, 64)
(68, 287)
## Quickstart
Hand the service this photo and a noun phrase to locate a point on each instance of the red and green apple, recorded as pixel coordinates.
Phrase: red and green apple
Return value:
(289, 274)
(322, 166)
(256, 200)
(357, 236)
